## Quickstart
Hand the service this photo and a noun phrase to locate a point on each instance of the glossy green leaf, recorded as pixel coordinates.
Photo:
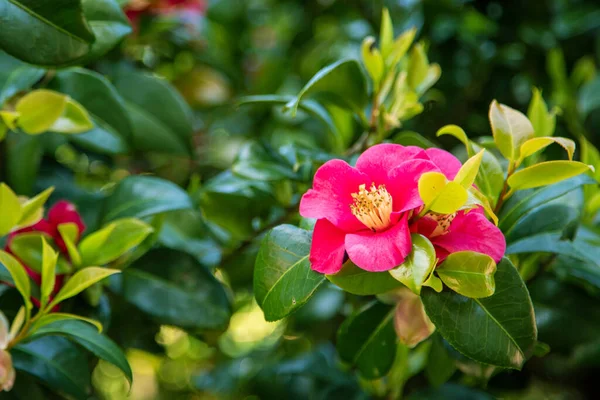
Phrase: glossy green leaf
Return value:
(506, 319)
(536, 144)
(546, 173)
(44, 33)
(469, 274)
(74, 119)
(39, 110)
(33, 209)
(20, 79)
(543, 122)
(262, 170)
(332, 81)
(144, 196)
(28, 247)
(283, 279)
(80, 281)
(88, 337)
(459, 133)
(108, 23)
(49, 258)
(490, 179)
(417, 265)
(19, 276)
(57, 362)
(510, 129)
(58, 316)
(354, 280)
(372, 59)
(367, 340)
(549, 242)
(10, 209)
(440, 364)
(439, 195)
(468, 172)
(184, 294)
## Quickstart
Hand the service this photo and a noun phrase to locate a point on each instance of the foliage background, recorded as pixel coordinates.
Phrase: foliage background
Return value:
(487, 50)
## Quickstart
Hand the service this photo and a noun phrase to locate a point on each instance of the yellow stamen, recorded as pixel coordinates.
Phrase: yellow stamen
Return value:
(443, 223)
(372, 207)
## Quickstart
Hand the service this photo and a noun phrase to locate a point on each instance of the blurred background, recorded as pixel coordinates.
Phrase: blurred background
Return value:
(216, 51)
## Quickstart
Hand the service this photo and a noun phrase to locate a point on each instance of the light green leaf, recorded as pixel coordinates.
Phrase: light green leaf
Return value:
(400, 47)
(18, 322)
(69, 232)
(74, 119)
(546, 173)
(490, 179)
(543, 122)
(363, 283)
(81, 281)
(459, 133)
(112, 241)
(439, 195)
(418, 265)
(468, 273)
(10, 209)
(418, 66)
(57, 316)
(468, 172)
(9, 119)
(39, 110)
(510, 129)
(476, 198)
(49, 258)
(386, 34)
(536, 144)
(4, 331)
(372, 59)
(33, 209)
(28, 248)
(19, 276)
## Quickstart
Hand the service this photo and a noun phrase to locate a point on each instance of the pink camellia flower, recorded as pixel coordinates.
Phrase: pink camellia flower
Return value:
(365, 211)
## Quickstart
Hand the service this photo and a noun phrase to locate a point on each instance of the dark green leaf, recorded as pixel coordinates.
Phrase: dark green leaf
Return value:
(262, 170)
(450, 391)
(173, 289)
(364, 283)
(498, 330)
(409, 138)
(44, 32)
(367, 340)
(88, 337)
(144, 196)
(109, 24)
(549, 242)
(22, 78)
(440, 365)
(283, 279)
(56, 362)
(19, 175)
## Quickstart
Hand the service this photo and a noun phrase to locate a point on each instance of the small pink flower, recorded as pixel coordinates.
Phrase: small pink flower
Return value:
(364, 211)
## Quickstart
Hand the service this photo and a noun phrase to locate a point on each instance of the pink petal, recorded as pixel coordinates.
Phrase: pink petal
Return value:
(404, 183)
(327, 248)
(473, 232)
(445, 161)
(379, 160)
(380, 251)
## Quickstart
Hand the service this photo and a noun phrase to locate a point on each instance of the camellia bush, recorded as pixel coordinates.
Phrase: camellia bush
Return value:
(265, 200)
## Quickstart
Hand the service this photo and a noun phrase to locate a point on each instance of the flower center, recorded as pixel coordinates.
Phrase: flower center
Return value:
(372, 207)
(443, 223)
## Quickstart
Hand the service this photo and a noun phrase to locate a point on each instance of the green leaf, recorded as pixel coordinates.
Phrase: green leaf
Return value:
(173, 289)
(468, 172)
(19, 276)
(75, 119)
(418, 65)
(57, 316)
(144, 196)
(367, 340)
(262, 170)
(459, 133)
(10, 209)
(163, 126)
(490, 179)
(386, 34)
(88, 337)
(39, 110)
(333, 81)
(363, 283)
(108, 23)
(112, 127)
(400, 47)
(30, 210)
(49, 258)
(418, 265)
(498, 330)
(80, 281)
(19, 175)
(546, 173)
(469, 274)
(440, 364)
(20, 79)
(283, 279)
(549, 242)
(536, 144)
(510, 129)
(543, 122)
(57, 362)
(372, 59)
(69, 232)
(113, 240)
(439, 195)
(409, 138)
(44, 33)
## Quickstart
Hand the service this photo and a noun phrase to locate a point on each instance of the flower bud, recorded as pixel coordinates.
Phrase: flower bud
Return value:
(7, 372)
(410, 321)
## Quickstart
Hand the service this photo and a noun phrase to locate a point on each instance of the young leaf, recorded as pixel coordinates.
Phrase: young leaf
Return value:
(386, 34)
(468, 172)
(506, 319)
(418, 265)
(367, 340)
(283, 279)
(112, 241)
(546, 173)
(39, 110)
(363, 283)
(543, 122)
(418, 66)
(510, 129)
(18, 322)
(411, 323)
(468, 273)
(69, 232)
(57, 316)
(536, 144)
(372, 60)
(74, 119)
(49, 258)
(459, 133)
(19, 276)
(30, 210)
(400, 47)
(4, 331)
(439, 195)
(10, 209)
(81, 281)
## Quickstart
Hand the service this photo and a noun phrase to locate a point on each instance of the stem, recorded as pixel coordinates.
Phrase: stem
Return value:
(505, 193)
